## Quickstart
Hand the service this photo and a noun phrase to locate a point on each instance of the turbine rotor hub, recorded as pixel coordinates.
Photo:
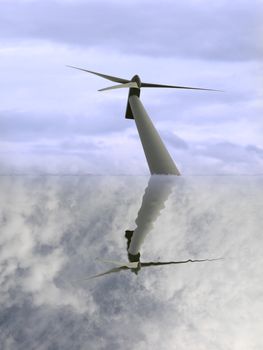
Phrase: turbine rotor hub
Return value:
(137, 80)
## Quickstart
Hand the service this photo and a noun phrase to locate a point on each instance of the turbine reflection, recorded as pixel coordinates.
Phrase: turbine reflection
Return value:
(156, 194)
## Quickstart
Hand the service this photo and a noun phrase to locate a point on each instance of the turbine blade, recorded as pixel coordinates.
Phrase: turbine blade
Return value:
(177, 262)
(108, 77)
(129, 265)
(114, 270)
(131, 84)
(175, 87)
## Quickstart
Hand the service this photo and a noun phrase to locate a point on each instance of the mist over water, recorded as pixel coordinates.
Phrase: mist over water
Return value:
(53, 229)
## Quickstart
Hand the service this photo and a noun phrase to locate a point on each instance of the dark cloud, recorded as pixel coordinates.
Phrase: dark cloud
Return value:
(31, 126)
(232, 153)
(173, 140)
(218, 31)
(253, 149)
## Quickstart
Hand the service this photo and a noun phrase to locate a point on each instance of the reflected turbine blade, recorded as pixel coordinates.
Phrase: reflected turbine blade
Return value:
(129, 265)
(116, 269)
(175, 87)
(108, 77)
(177, 262)
(131, 84)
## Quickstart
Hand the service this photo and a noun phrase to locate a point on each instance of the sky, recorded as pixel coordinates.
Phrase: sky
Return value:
(53, 119)
(54, 228)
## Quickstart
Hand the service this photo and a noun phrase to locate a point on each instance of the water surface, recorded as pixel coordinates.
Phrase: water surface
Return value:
(53, 229)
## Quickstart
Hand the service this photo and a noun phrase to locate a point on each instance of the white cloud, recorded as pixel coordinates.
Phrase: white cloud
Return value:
(32, 222)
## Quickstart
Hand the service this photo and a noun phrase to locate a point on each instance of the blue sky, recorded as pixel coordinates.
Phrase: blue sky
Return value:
(53, 119)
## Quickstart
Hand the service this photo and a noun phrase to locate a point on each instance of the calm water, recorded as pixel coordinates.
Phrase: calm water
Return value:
(56, 230)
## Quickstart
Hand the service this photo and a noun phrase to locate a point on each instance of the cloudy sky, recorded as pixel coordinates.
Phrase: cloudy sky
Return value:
(53, 119)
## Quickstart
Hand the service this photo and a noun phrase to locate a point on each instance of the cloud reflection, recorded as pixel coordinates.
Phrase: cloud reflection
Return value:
(53, 229)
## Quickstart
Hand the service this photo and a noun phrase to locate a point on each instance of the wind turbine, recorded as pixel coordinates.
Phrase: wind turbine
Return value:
(158, 158)
(160, 163)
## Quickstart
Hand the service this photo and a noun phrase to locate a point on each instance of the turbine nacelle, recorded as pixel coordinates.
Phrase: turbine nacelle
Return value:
(137, 80)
